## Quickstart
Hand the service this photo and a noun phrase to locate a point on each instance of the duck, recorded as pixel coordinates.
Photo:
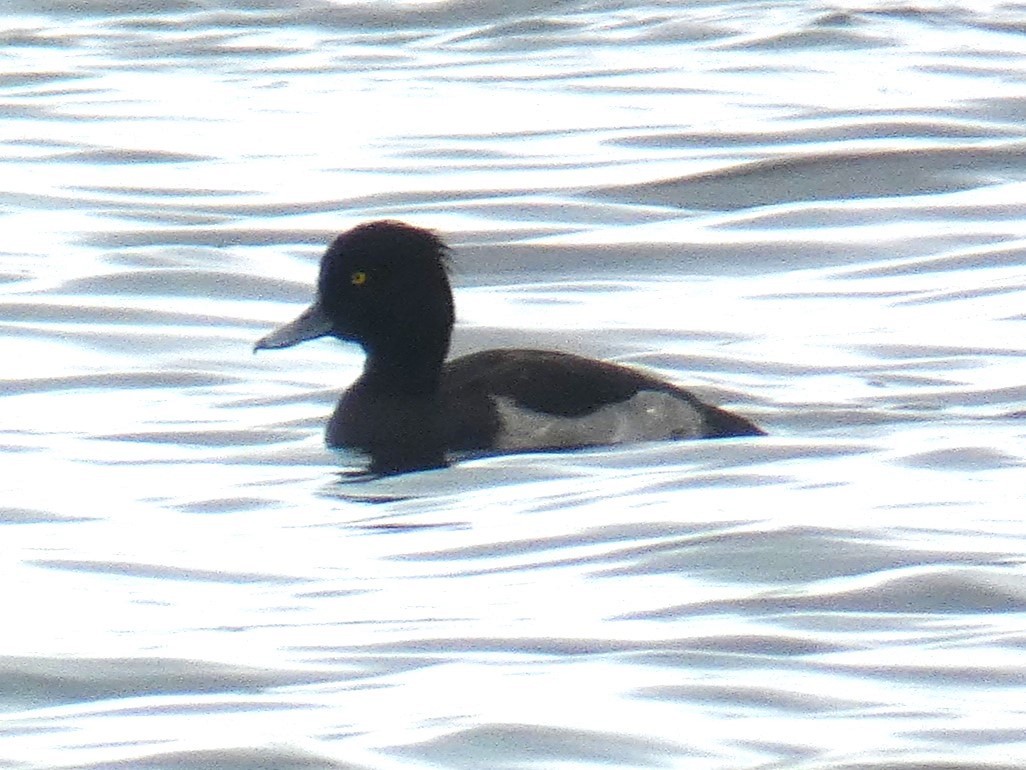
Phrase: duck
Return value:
(385, 286)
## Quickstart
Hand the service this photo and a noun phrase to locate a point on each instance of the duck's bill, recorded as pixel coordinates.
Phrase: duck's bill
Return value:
(309, 325)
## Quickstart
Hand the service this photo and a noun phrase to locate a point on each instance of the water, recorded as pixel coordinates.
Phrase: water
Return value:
(808, 212)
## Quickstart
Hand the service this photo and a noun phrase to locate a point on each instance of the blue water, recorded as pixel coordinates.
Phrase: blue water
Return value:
(808, 212)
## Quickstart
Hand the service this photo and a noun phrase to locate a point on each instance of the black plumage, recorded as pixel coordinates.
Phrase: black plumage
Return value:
(384, 285)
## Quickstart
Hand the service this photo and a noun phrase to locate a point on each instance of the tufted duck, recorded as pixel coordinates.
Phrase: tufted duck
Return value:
(385, 286)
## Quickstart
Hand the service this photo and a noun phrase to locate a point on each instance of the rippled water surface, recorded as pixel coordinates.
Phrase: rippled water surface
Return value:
(809, 212)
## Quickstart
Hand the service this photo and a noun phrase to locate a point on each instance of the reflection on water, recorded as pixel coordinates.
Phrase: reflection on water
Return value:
(809, 213)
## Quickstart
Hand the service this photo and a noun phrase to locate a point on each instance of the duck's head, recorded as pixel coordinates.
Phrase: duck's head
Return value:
(383, 285)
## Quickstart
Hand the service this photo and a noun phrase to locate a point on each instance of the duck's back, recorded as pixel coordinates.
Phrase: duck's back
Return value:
(533, 399)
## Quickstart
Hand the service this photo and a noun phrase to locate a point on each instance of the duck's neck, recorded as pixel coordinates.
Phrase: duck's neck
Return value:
(410, 367)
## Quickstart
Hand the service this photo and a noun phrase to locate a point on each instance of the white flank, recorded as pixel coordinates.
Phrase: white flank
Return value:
(648, 416)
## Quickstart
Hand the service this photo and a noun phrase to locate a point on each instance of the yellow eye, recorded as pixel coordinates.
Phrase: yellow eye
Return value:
(359, 278)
